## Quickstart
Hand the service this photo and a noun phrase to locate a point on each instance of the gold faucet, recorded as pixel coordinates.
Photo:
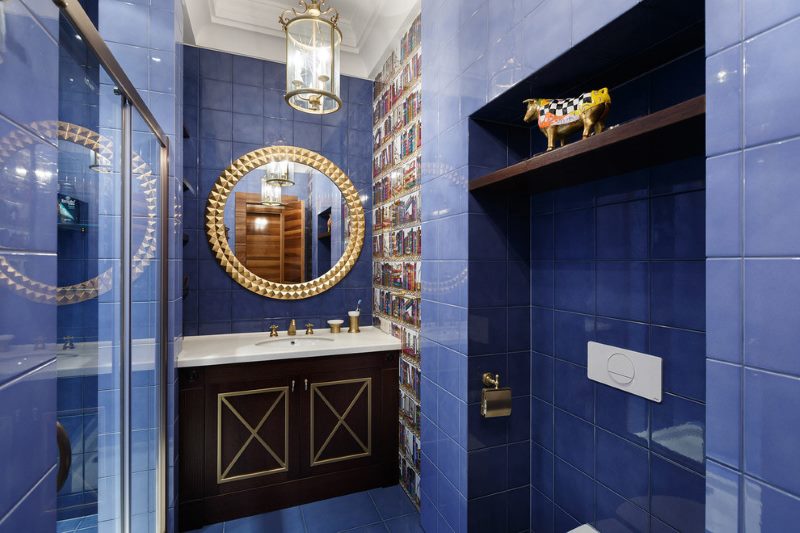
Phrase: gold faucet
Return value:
(273, 330)
(309, 329)
(292, 331)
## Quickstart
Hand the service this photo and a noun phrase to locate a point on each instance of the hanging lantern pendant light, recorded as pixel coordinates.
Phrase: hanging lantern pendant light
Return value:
(278, 174)
(313, 42)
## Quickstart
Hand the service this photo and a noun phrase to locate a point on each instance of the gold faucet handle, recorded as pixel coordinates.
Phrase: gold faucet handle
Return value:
(273, 330)
(309, 329)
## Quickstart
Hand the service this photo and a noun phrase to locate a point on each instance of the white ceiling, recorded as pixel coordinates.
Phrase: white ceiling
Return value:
(250, 27)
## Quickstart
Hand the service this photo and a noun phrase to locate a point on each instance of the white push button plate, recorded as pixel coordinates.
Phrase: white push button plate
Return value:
(633, 372)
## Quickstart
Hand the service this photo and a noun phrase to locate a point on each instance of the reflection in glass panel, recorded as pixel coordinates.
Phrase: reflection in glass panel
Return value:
(286, 222)
(144, 324)
(88, 221)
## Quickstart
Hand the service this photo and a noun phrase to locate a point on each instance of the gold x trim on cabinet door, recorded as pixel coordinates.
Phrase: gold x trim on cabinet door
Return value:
(222, 399)
(342, 420)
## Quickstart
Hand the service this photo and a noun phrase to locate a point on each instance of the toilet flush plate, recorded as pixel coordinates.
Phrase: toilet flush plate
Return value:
(633, 372)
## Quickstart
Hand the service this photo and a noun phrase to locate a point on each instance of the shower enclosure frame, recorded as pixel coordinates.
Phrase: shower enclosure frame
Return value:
(131, 100)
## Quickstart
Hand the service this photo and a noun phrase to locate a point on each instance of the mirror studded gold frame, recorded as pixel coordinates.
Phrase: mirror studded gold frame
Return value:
(215, 224)
(102, 146)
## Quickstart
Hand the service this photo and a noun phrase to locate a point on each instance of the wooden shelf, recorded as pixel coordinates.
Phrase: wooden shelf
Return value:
(672, 133)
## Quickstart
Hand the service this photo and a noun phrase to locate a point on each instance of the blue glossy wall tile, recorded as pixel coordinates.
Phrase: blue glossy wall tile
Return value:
(241, 108)
(683, 353)
(748, 299)
(760, 15)
(622, 228)
(623, 290)
(676, 415)
(678, 294)
(770, 409)
(575, 286)
(723, 205)
(763, 120)
(724, 28)
(541, 512)
(723, 489)
(619, 262)
(28, 74)
(574, 492)
(768, 509)
(772, 287)
(29, 409)
(574, 441)
(573, 390)
(723, 412)
(724, 93)
(623, 414)
(677, 495)
(29, 82)
(771, 226)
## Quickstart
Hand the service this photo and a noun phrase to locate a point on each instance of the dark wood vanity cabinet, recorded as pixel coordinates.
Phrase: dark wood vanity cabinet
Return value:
(255, 437)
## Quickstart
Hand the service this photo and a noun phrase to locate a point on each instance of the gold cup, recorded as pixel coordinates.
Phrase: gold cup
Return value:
(353, 322)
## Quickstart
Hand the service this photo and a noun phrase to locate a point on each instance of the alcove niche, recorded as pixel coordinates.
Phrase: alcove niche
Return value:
(601, 240)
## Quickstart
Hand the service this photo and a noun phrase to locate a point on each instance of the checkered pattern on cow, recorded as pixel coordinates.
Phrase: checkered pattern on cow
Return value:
(565, 106)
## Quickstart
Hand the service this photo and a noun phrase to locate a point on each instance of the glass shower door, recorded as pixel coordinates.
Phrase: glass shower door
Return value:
(145, 319)
(111, 165)
(89, 293)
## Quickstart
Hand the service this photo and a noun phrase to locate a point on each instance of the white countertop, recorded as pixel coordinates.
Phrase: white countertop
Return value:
(208, 350)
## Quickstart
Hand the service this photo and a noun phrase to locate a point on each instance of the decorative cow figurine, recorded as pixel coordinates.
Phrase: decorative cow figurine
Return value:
(560, 118)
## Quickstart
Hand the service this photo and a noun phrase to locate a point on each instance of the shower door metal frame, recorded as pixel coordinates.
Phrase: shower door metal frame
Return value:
(73, 11)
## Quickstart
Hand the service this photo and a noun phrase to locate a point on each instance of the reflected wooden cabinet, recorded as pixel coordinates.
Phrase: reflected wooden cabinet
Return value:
(256, 437)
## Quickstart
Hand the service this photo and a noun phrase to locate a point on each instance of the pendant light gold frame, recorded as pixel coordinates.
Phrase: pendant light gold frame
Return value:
(316, 11)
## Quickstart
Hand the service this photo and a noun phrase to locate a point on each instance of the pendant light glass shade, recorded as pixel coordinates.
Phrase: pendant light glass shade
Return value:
(278, 174)
(313, 43)
(270, 193)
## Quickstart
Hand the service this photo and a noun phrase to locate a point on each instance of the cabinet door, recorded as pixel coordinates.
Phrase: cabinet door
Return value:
(251, 440)
(341, 416)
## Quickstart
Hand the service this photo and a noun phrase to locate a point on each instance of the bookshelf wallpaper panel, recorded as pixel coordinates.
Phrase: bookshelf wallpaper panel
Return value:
(397, 231)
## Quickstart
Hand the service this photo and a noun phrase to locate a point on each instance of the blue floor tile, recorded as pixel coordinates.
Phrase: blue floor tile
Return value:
(380, 527)
(284, 520)
(340, 514)
(381, 510)
(68, 526)
(405, 524)
(391, 502)
(82, 524)
(88, 522)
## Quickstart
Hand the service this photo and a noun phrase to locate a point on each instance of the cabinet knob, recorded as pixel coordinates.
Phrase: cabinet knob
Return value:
(292, 386)
(305, 383)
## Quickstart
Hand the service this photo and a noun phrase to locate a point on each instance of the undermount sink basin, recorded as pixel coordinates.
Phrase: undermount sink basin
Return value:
(299, 341)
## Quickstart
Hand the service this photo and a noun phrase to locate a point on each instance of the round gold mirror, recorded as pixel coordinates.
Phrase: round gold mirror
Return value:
(285, 222)
(98, 153)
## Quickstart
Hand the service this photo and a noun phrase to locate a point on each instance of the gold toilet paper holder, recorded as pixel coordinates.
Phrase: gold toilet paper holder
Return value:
(495, 400)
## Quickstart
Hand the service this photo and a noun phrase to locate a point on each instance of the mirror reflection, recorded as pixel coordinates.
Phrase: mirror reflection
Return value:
(286, 222)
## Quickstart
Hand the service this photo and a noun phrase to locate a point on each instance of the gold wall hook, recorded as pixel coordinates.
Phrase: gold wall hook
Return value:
(491, 380)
